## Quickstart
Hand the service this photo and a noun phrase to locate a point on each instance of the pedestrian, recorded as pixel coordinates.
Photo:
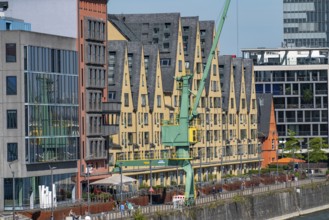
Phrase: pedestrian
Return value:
(214, 192)
(220, 190)
(122, 209)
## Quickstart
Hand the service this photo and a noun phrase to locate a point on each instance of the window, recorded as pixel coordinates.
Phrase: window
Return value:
(146, 118)
(12, 153)
(111, 95)
(198, 67)
(11, 85)
(254, 104)
(159, 101)
(10, 53)
(143, 100)
(11, 119)
(165, 45)
(214, 70)
(155, 30)
(232, 103)
(202, 32)
(130, 62)
(146, 64)
(126, 99)
(165, 62)
(243, 103)
(180, 66)
(111, 67)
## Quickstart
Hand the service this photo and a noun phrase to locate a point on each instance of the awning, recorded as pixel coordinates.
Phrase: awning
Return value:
(287, 160)
(115, 179)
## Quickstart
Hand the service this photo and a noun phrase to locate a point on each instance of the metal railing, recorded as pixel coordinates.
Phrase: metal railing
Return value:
(146, 210)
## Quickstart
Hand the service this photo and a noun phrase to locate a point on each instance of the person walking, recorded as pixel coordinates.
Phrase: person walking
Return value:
(122, 209)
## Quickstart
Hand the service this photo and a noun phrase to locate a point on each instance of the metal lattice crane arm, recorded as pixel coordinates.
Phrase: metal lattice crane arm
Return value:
(212, 53)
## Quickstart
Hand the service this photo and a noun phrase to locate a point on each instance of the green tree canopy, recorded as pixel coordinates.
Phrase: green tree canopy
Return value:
(293, 146)
(316, 153)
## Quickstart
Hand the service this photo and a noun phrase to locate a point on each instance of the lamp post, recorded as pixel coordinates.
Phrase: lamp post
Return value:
(221, 167)
(277, 160)
(207, 130)
(121, 182)
(200, 168)
(88, 187)
(13, 179)
(308, 159)
(52, 192)
(240, 154)
(151, 180)
(259, 155)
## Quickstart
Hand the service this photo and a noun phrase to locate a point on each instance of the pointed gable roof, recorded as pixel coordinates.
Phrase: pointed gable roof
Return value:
(152, 52)
(122, 28)
(207, 38)
(119, 47)
(248, 75)
(143, 26)
(237, 72)
(135, 48)
(226, 62)
(191, 33)
(264, 103)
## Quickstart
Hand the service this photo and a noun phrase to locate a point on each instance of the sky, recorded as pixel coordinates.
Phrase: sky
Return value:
(249, 24)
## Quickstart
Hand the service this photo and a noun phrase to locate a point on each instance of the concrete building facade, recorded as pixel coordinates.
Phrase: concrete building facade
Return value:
(305, 23)
(298, 80)
(39, 112)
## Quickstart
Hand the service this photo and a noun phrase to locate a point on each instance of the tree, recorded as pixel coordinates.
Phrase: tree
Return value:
(316, 152)
(293, 146)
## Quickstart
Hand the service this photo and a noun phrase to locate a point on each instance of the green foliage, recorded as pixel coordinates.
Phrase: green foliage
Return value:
(293, 145)
(307, 95)
(316, 153)
(138, 215)
(238, 199)
(144, 186)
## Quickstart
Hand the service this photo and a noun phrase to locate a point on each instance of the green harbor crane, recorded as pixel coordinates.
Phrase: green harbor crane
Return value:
(181, 135)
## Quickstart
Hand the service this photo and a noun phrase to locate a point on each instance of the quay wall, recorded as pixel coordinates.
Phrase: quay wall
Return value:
(282, 204)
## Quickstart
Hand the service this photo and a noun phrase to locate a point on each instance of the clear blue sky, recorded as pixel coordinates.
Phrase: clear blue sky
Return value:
(259, 21)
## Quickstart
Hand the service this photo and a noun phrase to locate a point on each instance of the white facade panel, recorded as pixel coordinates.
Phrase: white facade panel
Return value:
(294, 15)
(57, 17)
(298, 7)
(304, 35)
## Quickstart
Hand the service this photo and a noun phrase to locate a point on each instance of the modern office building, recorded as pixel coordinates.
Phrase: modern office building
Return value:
(84, 20)
(226, 143)
(298, 80)
(305, 23)
(39, 115)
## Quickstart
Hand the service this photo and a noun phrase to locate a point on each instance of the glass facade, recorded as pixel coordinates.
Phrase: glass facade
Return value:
(305, 23)
(25, 186)
(300, 99)
(51, 104)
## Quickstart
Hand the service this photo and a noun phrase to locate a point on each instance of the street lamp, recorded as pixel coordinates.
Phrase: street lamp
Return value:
(121, 182)
(240, 149)
(14, 199)
(151, 180)
(259, 155)
(221, 166)
(308, 159)
(89, 166)
(200, 168)
(52, 191)
(207, 130)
